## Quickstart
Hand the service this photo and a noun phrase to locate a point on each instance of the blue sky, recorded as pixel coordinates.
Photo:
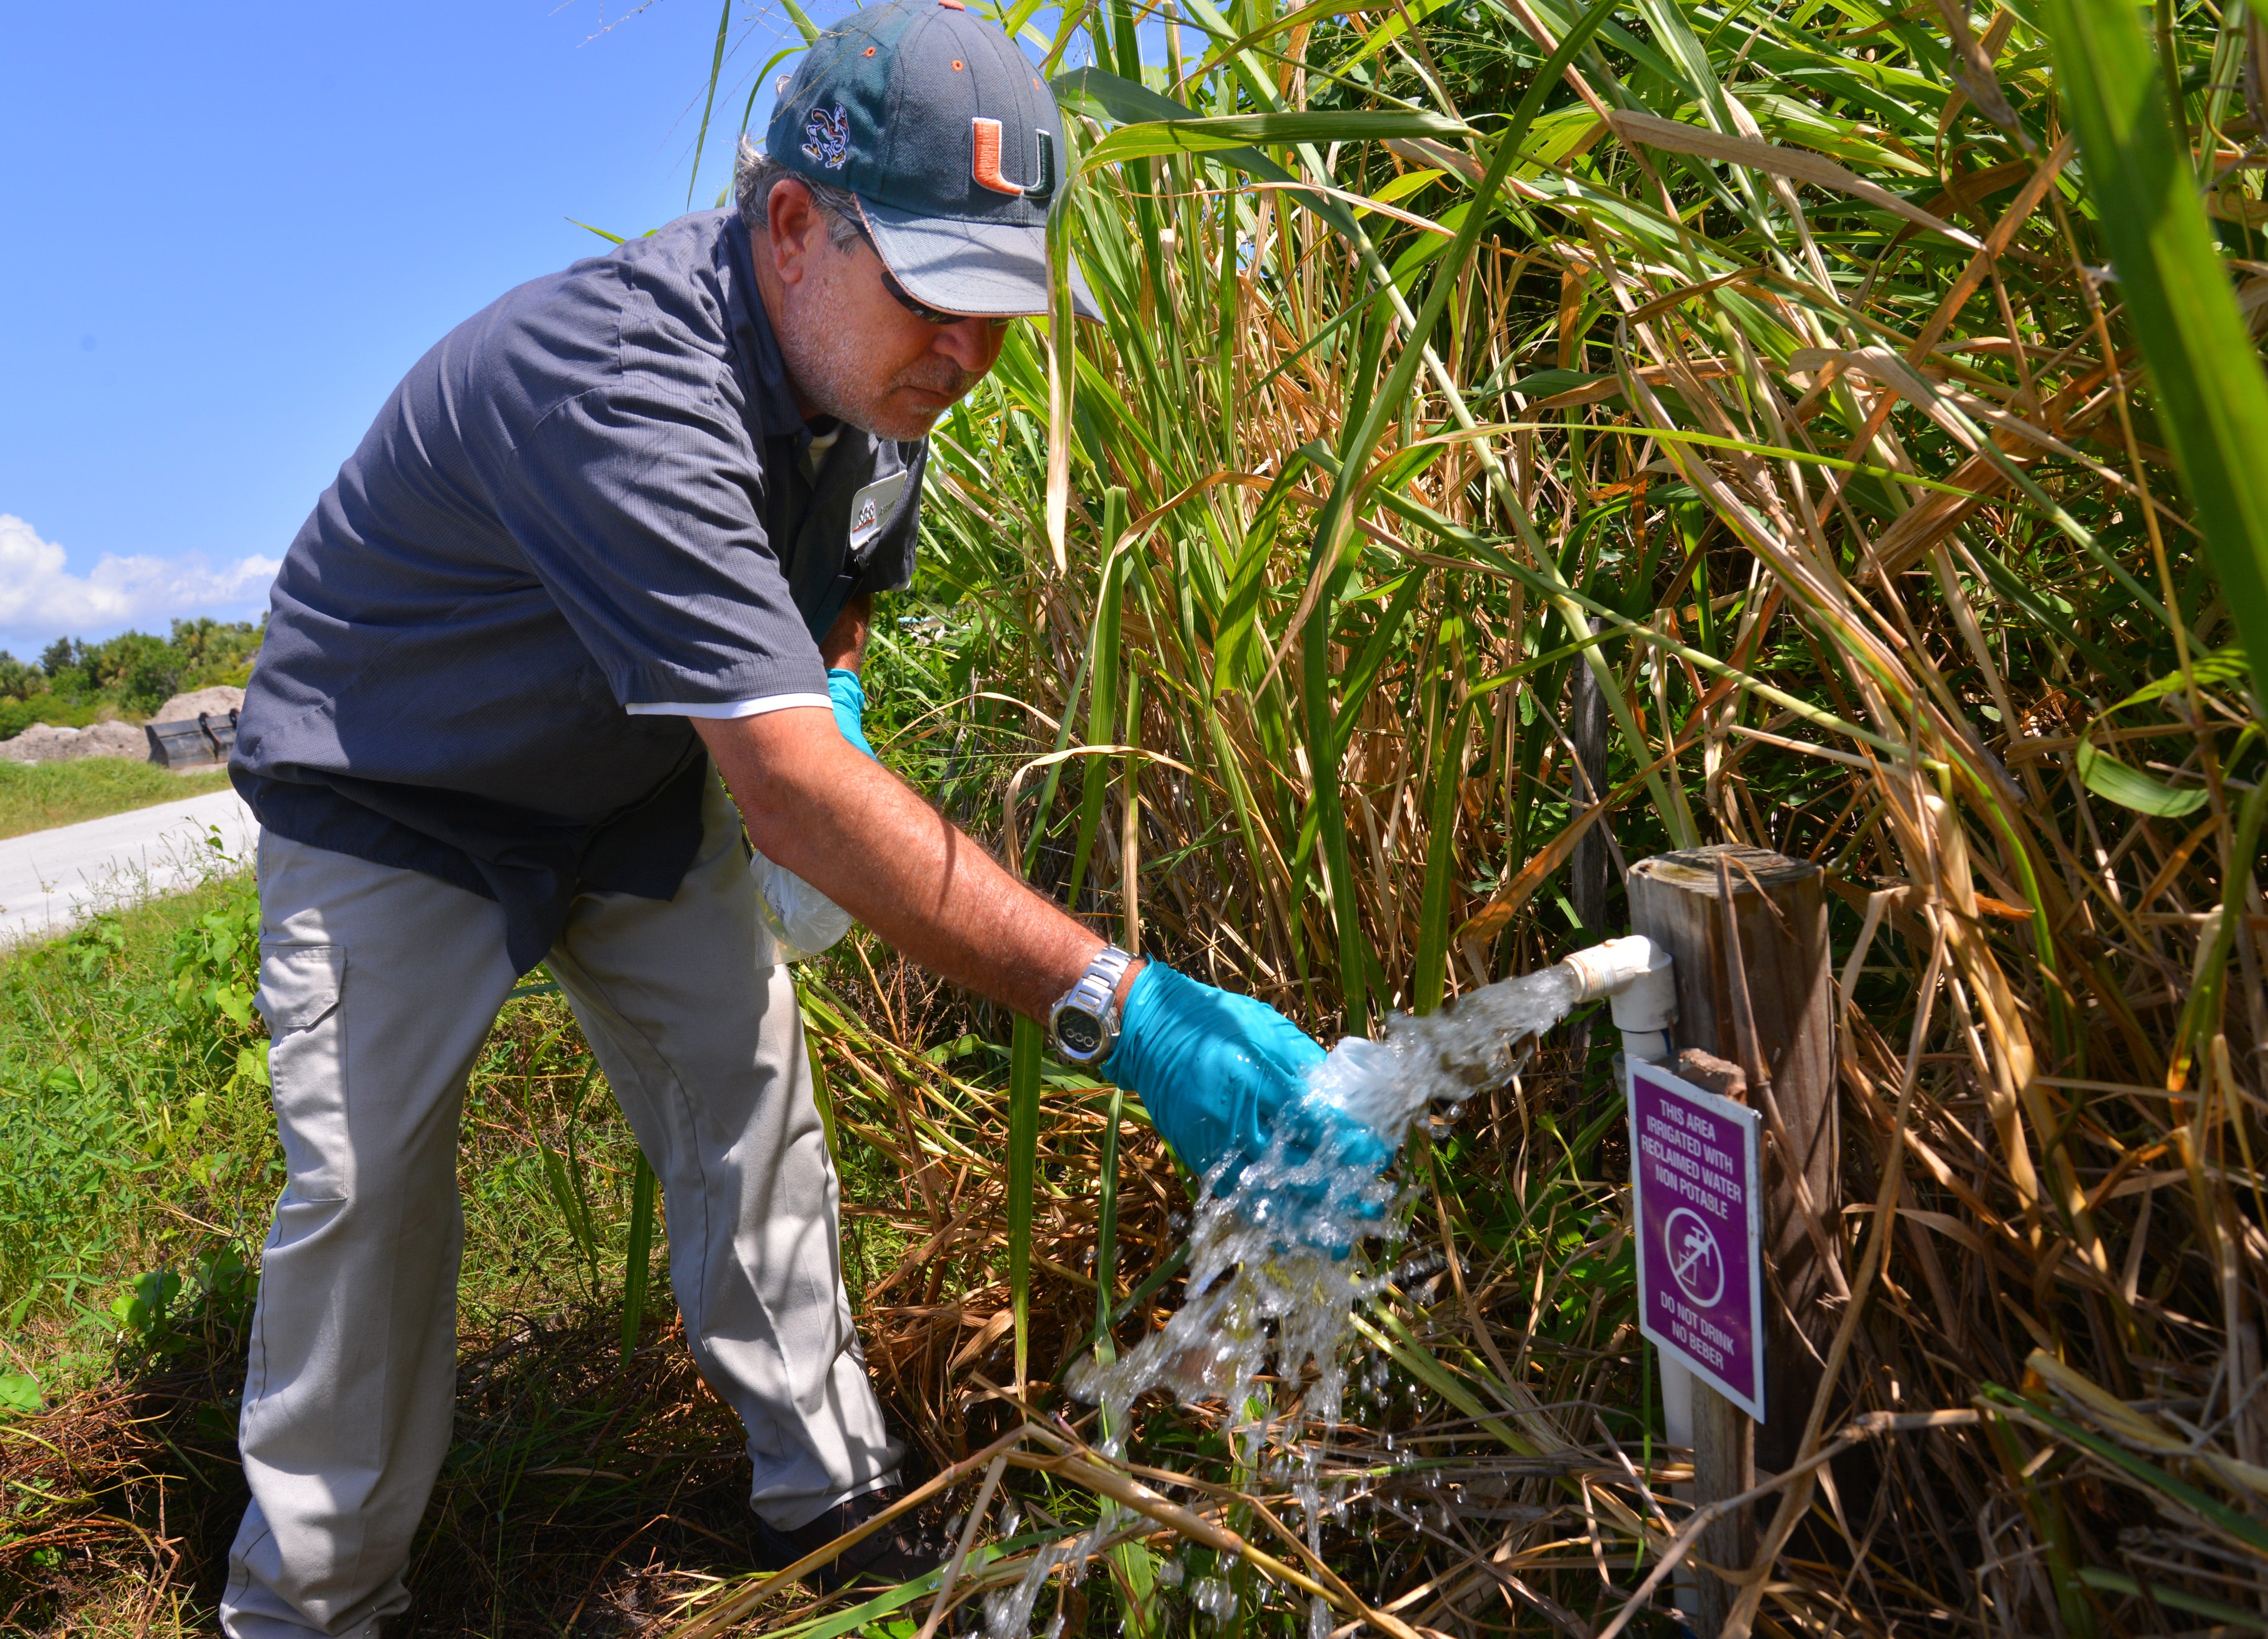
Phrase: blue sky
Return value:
(231, 229)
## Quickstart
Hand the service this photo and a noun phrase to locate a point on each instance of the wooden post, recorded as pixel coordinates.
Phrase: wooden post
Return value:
(1778, 1030)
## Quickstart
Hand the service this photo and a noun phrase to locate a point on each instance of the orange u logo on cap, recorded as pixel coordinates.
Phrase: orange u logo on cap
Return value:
(985, 162)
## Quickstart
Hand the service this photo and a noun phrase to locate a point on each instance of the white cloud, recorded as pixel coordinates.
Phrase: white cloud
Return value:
(41, 600)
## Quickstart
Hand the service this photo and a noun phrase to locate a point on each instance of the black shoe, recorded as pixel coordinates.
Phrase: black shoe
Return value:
(898, 1552)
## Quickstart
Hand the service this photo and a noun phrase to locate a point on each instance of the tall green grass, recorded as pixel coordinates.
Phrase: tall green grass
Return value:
(1832, 385)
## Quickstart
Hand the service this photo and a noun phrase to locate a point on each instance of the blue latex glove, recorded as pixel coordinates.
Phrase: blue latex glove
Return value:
(1220, 1073)
(849, 697)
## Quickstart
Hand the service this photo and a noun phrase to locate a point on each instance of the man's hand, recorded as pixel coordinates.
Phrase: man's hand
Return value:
(849, 697)
(1220, 1074)
(861, 836)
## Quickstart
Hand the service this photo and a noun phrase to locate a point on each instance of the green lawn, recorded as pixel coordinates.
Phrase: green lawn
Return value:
(36, 796)
(141, 1170)
(134, 1111)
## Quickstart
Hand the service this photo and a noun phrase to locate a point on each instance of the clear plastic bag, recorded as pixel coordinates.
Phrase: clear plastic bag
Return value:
(801, 920)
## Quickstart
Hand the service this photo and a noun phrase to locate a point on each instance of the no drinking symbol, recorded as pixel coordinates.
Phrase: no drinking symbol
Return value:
(1694, 1262)
(1694, 1176)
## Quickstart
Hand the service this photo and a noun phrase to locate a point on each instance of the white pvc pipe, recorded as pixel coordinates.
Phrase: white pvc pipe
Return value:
(1634, 973)
(1608, 969)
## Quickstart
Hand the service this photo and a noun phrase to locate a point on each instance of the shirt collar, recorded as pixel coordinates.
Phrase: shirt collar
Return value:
(771, 401)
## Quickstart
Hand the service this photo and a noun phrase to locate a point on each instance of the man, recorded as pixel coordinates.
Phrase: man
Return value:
(615, 536)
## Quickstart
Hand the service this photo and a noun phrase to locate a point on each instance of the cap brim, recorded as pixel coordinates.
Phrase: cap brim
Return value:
(985, 269)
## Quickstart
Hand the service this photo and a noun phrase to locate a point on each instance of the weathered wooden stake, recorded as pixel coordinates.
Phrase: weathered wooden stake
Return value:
(1776, 1029)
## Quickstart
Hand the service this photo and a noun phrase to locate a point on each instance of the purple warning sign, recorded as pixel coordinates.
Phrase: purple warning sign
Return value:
(1700, 1279)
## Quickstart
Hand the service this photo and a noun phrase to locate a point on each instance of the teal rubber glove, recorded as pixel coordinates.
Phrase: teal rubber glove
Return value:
(849, 696)
(1222, 1074)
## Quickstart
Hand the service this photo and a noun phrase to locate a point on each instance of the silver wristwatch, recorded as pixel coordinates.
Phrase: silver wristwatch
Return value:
(1084, 1026)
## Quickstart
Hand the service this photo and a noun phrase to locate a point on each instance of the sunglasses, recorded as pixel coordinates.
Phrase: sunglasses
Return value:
(905, 297)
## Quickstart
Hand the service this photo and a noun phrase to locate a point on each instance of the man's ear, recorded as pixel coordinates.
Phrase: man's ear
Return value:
(797, 224)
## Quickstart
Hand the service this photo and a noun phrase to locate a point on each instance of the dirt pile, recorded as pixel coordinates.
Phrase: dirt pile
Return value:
(44, 743)
(219, 700)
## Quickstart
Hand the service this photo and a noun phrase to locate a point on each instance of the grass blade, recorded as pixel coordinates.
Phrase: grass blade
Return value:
(716, 69)
(1209, 134)
(638, 1276)
(2168, 266)
(1023, 1159)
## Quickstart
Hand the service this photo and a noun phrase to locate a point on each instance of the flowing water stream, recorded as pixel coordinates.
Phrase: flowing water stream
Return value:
(1270, 1276)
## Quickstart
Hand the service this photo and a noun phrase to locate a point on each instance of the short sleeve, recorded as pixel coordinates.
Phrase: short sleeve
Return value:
(639, 504)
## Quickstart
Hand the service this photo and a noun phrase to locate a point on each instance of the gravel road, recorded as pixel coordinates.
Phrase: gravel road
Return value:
(52, 879)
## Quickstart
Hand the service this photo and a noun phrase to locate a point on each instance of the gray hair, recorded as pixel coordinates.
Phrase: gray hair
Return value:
(753, 173)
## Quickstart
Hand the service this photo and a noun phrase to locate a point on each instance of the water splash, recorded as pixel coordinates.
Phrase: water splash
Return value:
(1263, 1286)
(1009, 1611)
(1215, 1597)
(1276, 1268)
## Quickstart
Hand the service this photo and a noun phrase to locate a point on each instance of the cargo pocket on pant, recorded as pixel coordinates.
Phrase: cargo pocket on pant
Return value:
(299, 987)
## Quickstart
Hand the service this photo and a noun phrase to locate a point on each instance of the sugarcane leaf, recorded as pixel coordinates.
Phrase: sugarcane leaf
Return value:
(2173, 1598)
(716, 69)
(2222, 667)
(801, 18)
(1104, 95)
(1211, 135)
(2247, 1531)
(2212, 396)
(2130, 788)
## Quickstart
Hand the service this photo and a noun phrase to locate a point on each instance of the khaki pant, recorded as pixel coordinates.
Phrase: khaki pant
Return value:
(380, 986)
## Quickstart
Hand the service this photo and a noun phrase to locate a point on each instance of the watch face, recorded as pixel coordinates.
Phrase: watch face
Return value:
(1080, 1033)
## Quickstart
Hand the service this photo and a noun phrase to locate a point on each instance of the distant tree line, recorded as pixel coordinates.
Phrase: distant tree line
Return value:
(75, 682)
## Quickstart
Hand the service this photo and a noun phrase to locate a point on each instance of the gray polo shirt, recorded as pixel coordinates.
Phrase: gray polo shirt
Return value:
(591, 512)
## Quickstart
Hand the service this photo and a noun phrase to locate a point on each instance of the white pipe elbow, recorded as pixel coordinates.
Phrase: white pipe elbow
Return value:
(1634, 973)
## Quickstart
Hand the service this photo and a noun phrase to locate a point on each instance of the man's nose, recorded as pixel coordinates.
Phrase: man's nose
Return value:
(972, 344)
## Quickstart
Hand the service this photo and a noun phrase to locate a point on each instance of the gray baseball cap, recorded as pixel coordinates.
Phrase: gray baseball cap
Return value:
(953, 143)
